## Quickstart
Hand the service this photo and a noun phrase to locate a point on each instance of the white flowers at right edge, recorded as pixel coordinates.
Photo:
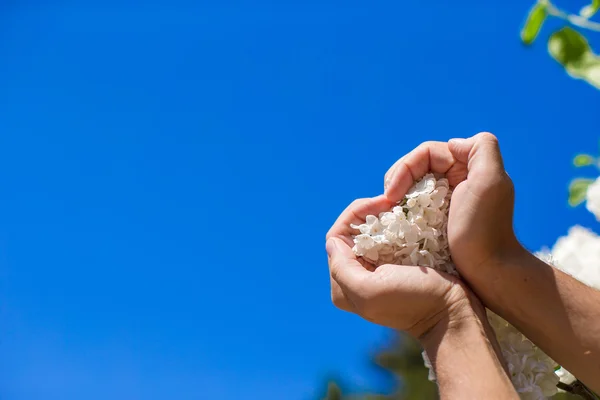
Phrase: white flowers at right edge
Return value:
(578, 254)
(530, 369)
(593, 198)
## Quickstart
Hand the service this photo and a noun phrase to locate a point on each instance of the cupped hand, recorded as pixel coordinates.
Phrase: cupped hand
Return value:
(409, 298)
(480, 223)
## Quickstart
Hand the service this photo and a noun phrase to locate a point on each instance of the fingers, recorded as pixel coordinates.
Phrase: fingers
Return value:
(481, 153)
(341, 299)
(344, 268)
(356, 213)
(427, 157)
(338, 297)
(341, 234)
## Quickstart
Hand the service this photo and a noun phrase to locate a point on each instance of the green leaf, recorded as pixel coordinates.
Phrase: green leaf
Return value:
(591, 9)
(583, 160)
(572, 51)
(577, 190)
(534, 23)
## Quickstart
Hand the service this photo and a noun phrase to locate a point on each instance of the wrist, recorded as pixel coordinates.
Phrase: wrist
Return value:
(487, 275)
(461, 309)
(464, 312)
(464, 341)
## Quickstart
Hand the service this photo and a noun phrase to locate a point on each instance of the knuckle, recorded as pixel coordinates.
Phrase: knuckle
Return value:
(508, 182)
(424, 147)
(339, 300)
(430, 144)
(358, 203)
(488, 136)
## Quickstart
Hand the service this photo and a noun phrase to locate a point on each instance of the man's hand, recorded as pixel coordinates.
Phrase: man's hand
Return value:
(432, 306)
(480, 225)
(407, 298)
(555, 311)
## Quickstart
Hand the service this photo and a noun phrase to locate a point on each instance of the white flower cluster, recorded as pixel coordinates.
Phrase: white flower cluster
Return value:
(412, 233)
(578, 254)
(531, 370)
(593, 198)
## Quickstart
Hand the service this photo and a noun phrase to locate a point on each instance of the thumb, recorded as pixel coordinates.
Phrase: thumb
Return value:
(481, 153)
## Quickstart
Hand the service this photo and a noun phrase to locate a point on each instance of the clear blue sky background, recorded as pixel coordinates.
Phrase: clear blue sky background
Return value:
(168, 171)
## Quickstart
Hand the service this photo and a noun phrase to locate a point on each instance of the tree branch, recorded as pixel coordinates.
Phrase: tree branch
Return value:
(578, 389)
(573, 19)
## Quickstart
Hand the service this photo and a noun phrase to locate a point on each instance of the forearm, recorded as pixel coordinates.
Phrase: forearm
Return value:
(555, 311)
(464, 356)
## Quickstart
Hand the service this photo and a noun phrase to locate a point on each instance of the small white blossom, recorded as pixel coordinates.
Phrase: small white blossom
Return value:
(423, 187)
(364, 242)
(427, 362)
(413, 232)
(546, 256)
(530, 369)
(593, 198)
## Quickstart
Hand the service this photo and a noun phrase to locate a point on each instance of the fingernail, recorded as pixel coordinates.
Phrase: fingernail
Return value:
(388, 180)
(457, 141)
(386, 184)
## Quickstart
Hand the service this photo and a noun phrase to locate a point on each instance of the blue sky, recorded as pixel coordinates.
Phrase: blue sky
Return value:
(168, 171)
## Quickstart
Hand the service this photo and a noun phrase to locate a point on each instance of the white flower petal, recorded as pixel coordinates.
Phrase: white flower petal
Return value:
(593, 198)
(578, 254)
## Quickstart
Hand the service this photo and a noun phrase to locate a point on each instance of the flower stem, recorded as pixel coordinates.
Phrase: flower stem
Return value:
(578, 389)
(573, 19)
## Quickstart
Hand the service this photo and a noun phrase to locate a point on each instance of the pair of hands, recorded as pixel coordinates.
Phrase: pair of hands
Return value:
(480, 232)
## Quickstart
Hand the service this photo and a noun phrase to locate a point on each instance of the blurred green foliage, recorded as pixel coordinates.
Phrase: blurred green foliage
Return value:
(577, 190)
(573, 52)
(567, 46)
(535, 19)
(579, 186)
(402, 359)
(584, 160)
